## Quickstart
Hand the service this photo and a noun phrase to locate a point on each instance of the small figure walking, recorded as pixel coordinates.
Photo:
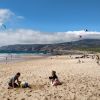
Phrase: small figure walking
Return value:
(97, 58)
(6, 59)
(79, 61)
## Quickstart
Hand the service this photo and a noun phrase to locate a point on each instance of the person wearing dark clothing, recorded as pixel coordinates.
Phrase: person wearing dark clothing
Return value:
(14, 81)
(54, 76)
(97, 58)
(54, 79)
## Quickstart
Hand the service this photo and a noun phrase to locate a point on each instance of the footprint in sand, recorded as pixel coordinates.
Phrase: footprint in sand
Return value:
(8, 98)
(59, 97)
(30, 91)
(45, 98)
(23, 99)
(28, 95)
(24, 91)
(15, 98)
(3, 97)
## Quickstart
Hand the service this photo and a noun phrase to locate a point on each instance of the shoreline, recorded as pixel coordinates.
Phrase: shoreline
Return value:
(21, 57)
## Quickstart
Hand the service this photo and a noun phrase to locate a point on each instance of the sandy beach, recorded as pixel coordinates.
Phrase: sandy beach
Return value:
(80, 81)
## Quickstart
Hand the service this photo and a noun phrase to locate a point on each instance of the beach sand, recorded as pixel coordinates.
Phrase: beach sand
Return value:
(80, 81)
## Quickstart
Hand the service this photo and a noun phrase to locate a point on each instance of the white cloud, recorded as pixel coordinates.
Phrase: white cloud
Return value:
(20, 17)
(7, 15)
(28, 36)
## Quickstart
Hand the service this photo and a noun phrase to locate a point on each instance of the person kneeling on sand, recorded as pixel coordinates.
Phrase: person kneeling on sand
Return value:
(14, 81)
(54, 79)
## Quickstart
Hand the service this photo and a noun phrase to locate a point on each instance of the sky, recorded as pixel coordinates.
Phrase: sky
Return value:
(48, 21)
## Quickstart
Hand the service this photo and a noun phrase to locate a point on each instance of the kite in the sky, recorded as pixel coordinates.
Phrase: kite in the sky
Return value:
(86, 30)
(2, 27)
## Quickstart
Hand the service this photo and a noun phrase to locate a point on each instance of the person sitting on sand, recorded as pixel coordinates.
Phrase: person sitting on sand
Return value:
(14, 81)
(54, 79)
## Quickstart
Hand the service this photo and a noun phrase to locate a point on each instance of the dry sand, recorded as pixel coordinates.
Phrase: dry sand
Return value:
(80, 81)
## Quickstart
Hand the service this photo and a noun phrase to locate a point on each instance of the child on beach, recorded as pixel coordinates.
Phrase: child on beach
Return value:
(14, 81)
(54, 79)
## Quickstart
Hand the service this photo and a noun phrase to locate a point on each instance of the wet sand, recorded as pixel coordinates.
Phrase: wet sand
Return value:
(80, 81)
